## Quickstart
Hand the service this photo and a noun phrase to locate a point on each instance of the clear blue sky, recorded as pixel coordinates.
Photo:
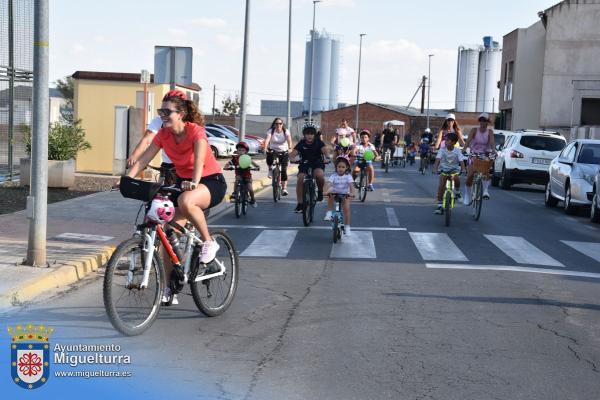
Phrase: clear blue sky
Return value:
(119, 35)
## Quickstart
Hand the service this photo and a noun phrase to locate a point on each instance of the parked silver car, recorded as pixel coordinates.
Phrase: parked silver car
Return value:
(572, 174)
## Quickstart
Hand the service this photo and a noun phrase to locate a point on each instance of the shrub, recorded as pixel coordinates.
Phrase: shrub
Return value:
(64, 141)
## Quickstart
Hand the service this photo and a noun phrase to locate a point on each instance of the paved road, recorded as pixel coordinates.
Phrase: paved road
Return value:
(503, 308)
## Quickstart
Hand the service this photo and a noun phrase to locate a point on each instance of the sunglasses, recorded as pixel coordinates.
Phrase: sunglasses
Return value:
(165, 112)
(483, 120)
(449, 119)
(278, 123)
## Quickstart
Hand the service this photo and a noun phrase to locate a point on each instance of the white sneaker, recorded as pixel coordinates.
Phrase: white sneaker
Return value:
(167, 294)
(486, 195)
(209, 251)
(347, 230)
(467, 199)
(327, 216)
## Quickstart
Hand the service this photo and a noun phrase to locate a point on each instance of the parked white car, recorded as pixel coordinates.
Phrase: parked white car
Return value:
(572, 175)
(525, 157)
(219, 146)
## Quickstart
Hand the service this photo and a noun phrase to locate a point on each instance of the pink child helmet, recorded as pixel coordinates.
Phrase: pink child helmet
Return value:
(161, 210)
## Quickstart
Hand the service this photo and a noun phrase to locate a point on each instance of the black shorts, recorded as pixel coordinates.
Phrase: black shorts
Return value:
(215, 184)
(303, 168)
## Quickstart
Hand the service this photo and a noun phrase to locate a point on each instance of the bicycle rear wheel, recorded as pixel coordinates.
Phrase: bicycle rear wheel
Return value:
(362, 186)
(447, 208)
(276, 185)
(131, 309)
(306, 203)
(477, 199)
(214, 296)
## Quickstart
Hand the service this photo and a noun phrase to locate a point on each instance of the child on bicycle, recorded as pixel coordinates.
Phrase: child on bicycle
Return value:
(449, 160)
(340, 182)
(359, 153)
(246, 173)
(412, 153)
(424, 152)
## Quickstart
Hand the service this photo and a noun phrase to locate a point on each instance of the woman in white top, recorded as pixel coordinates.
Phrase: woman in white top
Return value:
(277, 144)
(344, 131)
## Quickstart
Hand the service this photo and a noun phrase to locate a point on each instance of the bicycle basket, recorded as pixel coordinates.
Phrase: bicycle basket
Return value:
(482, 166)
(138, 189)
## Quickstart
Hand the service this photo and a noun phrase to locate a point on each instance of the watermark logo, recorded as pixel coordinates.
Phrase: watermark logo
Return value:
(30, 355)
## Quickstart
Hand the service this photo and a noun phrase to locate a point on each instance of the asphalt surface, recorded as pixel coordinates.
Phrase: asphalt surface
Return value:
(402, 317)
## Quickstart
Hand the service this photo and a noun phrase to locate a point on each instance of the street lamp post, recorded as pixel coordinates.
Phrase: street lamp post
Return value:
(358, 85)
(289, 68)
(312, 59)
(244, 69)
(428, 88)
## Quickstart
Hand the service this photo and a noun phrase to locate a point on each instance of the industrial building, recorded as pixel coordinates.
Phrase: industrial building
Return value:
(550, 77)
(278, 108)
(326, 74)
(477, 75)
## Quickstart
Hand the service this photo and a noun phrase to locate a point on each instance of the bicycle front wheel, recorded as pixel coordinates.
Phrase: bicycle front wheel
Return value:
(214, 296)
(362, 188)
(477, 199)
(132, 309)
(244, 202)
(447, 208)
(276, 185)
(238, 203)
(306, 203)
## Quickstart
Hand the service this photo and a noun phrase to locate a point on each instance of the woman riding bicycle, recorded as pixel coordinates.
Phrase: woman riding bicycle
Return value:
(278, 144)
(200, 177)
(450, 126)
(481, 143)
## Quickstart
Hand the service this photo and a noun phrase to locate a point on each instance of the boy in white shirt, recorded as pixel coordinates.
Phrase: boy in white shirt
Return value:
(450, 160)
(340, 182)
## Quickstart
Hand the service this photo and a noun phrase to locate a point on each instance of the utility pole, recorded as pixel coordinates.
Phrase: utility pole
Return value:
(429, 89)
(11, 85)
(213, 107)
(312, 60)
(423, 83)
(358, 85)
(38, 198)
(289, 68)
(244, 70)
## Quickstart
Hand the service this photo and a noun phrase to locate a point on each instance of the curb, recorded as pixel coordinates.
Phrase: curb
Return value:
(70, 272)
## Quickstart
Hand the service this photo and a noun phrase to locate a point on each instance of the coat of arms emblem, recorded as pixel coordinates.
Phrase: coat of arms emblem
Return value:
(30, 355)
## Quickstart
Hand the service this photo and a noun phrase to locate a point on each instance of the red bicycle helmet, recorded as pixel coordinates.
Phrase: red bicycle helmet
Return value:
(244, 145)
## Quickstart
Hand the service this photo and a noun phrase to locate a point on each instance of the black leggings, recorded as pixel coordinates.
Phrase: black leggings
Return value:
(284, 159)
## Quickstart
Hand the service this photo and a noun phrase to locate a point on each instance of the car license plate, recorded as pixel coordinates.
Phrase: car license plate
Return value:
(543, 161)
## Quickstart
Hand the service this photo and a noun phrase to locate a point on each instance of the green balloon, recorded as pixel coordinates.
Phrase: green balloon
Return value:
(369, 155)
(345, 142)
(245, 161)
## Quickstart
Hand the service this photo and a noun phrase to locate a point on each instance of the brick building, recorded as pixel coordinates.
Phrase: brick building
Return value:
(373, 115)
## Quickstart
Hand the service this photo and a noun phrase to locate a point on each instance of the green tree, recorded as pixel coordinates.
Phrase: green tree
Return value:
(66, 88)
(64, 140)
(231, 106)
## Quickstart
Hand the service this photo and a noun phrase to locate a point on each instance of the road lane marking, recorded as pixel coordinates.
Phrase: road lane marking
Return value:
(271, 243)
(391, 216)
(514, 269)
(590, 249)
(437, 246)
(360, 228)
(359, 244)
(386, 196)
(522, 251)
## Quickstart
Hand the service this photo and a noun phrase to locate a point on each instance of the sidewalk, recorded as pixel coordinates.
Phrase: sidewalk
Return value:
(81, 236)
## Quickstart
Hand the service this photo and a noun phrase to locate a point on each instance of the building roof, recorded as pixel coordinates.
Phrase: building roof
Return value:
(123, 77)
(413, 112)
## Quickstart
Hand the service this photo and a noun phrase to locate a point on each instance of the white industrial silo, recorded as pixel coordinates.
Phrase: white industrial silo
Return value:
(490, 59)
(326, 73)
(466, 80)
(334, 75)
(307, 61)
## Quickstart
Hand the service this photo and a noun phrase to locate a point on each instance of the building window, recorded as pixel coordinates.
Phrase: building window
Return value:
(508, 80)
(590, 111)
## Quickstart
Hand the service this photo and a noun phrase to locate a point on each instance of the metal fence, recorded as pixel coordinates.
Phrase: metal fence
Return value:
(16, 82)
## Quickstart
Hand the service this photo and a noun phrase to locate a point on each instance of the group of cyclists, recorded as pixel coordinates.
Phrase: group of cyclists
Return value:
(181, 135)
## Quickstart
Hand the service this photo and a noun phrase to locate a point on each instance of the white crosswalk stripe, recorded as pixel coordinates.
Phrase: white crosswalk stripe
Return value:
(522, 251)
(437, 247)
(590, 249)
(359, 244)
(271, 243)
